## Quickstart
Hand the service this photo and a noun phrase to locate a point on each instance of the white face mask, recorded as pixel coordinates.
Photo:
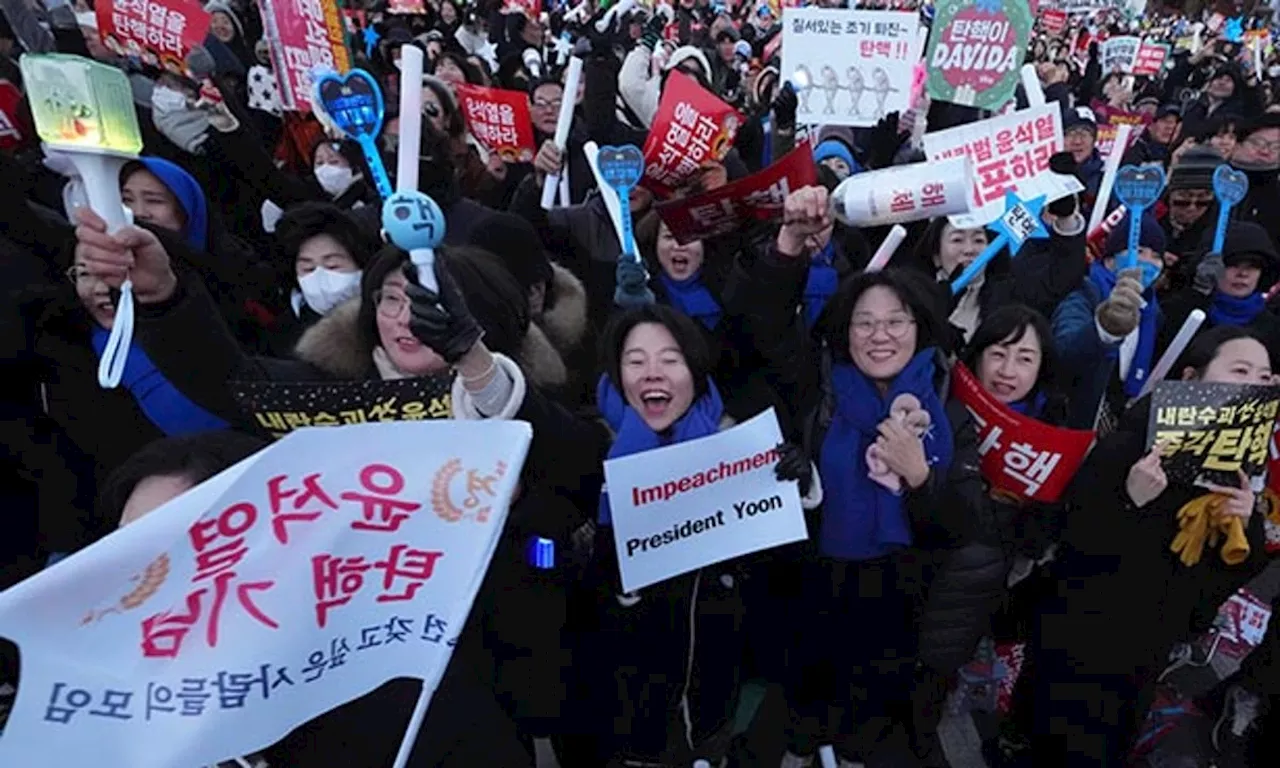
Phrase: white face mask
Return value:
(325, 289)
(165, 100)
(334, 179)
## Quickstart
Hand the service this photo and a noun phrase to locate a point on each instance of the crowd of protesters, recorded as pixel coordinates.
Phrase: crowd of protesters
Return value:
(255, 254)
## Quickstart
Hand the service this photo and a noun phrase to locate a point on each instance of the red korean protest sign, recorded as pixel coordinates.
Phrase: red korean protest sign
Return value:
(530, 8)
(1108, 132)
(1053, 21)
(301, 578)
(160, 32)
(691, 129)
(407, 7)
(1010, 152)
(15, 124)
(1025, 458)
(499, 120)
(975, 50)
(1150, 58)
(303, 35)
(757, 197)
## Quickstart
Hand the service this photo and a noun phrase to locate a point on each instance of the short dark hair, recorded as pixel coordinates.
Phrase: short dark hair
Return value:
(1011, 322)
(922, 297)
(697, 356)
(492, 295)
(195, 458)
(1204, 348)
(304, 221)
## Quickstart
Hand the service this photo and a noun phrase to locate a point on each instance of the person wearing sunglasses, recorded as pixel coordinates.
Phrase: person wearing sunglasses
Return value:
(1190, 209)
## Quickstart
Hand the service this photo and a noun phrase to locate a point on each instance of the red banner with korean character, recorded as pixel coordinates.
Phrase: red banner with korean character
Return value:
(530, 8)
(303, 35)
(499, 120)
(758, 197)
(692, 129)
(160, 32)
(1053, 21)
(1150, 59)
(15, 118)
(1022, 458)
(407, 7)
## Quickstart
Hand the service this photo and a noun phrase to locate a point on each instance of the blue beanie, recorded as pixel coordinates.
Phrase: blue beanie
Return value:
(1150, 235)
(190, 196)
(836, 148)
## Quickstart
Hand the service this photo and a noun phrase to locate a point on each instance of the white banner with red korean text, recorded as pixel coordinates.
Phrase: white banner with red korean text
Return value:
(301, 578)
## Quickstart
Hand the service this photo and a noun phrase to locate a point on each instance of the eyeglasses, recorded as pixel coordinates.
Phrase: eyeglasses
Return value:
(78, 274)
(544, 104)
(896, 327)
(1192, 203)
(1270, 147)
(390, 305)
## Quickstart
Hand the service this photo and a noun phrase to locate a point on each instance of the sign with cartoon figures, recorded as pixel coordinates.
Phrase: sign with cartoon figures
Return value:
(301, 578)
(975, 51)
(849, 67)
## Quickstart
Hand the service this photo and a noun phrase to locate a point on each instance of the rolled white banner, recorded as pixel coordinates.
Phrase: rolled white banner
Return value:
(887, 248)
(1031, 84)
(563, 122)
(1109, 176)
(1171, 355)
(904, 193)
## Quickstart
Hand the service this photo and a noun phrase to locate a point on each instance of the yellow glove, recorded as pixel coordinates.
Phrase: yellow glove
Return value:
(1193, 524)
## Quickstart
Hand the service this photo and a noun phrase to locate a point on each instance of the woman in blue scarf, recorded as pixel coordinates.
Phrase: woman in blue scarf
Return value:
(899, 469)
(671, 650)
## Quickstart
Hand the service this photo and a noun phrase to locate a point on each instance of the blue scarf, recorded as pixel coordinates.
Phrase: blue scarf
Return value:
(1104, 279)
(821, 283)
(160, 401)
(691, 297)
(1032, 406)
(1228, 310)
(862, 519)
(634, 436)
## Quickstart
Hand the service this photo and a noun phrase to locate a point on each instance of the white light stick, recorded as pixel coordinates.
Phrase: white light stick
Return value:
(887, 248)
(563, 123)
(1109, 176)
(611, 202)
(1170, 356)
(1031, 84)
(410, 118)
(827, 756)
(621, 9)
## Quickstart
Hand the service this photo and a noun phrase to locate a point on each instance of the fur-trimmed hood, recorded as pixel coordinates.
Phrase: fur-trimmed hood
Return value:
(565, 323)
(336, 346)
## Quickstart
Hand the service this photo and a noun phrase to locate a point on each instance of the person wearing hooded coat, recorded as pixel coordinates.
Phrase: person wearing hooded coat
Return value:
(1258, 156)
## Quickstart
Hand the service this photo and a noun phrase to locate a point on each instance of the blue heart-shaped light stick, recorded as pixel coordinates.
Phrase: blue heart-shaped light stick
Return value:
(1021, 221)
(1230, 186)
(622, 168)
(353, 103)
(1137, 188)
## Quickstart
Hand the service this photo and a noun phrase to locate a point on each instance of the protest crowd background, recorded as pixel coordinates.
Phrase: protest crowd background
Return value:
(1004, 273)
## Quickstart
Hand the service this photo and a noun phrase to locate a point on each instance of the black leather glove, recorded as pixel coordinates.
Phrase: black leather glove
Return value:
(441, 319)
(1208, 272)
(793, 464)
(1065, 164)
(784, 107)
(885, 142)
(632, 284)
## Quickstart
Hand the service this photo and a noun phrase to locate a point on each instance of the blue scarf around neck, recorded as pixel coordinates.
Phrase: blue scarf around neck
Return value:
(1228, 310)
(1104, 279)
(691, 297)
(862, 519)
(632, 435)
(821, 283)
(161, 402)
(1032, 405)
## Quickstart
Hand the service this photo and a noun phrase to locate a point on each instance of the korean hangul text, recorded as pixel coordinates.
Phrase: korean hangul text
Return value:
(980, 150)
(854, 27)
(1025, 132)
(932, 194)
(383, 411)
(1228, 449)
(1004, 141)
(959, 30)
(994, 180)
(412, 565)
(335, 580)
(441, 407)
(324, 419)
(296, 58)
(772, 196)
(271, 420)
(317, 663)
(414, 411)
(159, 699)
(989, 440)
(230, 525)
(1044, 128)
(1259, 443)
(712, 214)
(194, 695)
(295, 420)
(902, 201)
(398, 630)
(115, 704)
(369, 637)
(338, 650)
(380, 510)
(352, 417)
(235, 687)
(72, 699)
(434, 628)
(1041, 154)
(677, 135)
(1029, 466)
(1197, 442)
(176, 23)
(1022, 165)
(307, 503)
(157, 14)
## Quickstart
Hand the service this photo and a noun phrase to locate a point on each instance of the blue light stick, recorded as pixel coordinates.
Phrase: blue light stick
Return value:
(1230, 186)
(353, 103)
(1137, 188)
(622, 168)
(1021, 220)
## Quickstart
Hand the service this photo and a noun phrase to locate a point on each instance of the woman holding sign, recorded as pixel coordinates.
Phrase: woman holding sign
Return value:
(1133, 581)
